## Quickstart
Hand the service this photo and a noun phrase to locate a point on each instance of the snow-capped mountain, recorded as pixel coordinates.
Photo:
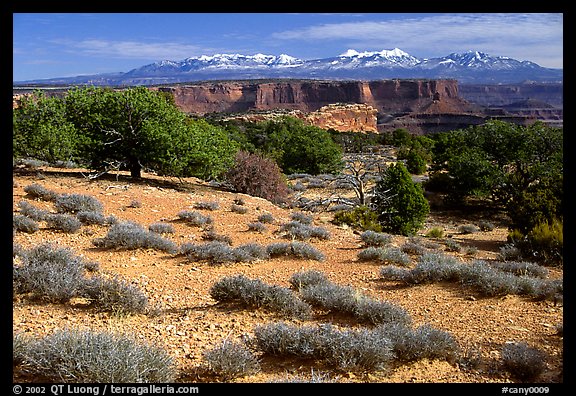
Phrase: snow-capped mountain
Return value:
(467, 67)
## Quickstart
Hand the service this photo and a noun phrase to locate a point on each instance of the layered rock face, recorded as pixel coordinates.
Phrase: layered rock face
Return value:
(386, 96)
(340, 105)
(345, 118)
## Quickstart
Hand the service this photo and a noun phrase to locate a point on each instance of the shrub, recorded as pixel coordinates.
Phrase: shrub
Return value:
(217, 252)
(266, 218)
(257, 226)
(303, 279)
(134, 204)
(194, 218)
(114, 294)
(360, 218)
(64, 222)
(435, 232)
(214, 236)
(346, 349)
(389, 255)
(301, 218)
(249, 252)
(31, 211)
(296, 249)
(413, 246)
(468, 229)
(372, 238)
(484, 277)
(304, 232)
(50, 273)
(90, 217)
(96, 357)
(74, 203)
(431, 267)
(38, 191)
(452, 245)
(348, 300)
(485, 225)
(57, 275)
(424, 342)
(213, 205)
(25, 224)
(130, 235)
(509, 252)
(399, 202)
(240, 209)
(415, 163)
(522, 268)
(231, 360)
(256, 293)
(259, 176)
(161, 228)
(545, 241)
(523, 361)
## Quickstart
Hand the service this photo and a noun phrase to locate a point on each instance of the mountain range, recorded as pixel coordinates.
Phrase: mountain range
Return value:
(471, 67)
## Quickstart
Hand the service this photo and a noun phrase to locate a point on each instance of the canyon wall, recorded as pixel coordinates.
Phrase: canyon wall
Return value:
(386, 96)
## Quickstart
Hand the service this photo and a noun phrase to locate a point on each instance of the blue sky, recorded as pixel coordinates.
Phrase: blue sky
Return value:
(47, 45)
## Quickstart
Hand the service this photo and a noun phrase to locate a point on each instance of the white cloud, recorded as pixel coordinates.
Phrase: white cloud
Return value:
(535, 37)
(132, 49)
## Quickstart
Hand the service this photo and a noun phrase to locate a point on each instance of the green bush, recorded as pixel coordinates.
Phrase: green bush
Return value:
(415, 163)
(300, 148)
(546, 241)
(399, 202)
(360, 218)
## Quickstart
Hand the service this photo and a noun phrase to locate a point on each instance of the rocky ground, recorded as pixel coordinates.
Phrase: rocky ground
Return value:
(188, 321)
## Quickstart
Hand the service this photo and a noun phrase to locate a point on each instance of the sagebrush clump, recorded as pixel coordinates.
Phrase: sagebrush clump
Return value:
(54, 274)
(297, 249)
(74, 203)
(523, 361)
(94, 357)
(256, 293)
(24, 224)
(38, 191)
(130, 235)
(346, 349)
(231, 359)
(217, 252)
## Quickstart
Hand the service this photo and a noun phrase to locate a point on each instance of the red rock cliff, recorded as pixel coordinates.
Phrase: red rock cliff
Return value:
(386, 96)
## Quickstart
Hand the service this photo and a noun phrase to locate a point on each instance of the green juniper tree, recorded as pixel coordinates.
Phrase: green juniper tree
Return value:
(399, 202)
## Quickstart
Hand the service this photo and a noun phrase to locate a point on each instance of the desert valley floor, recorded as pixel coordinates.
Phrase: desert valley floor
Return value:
(188, 321)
